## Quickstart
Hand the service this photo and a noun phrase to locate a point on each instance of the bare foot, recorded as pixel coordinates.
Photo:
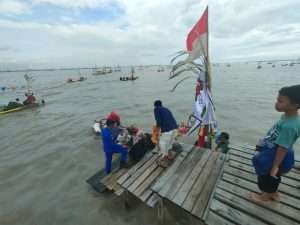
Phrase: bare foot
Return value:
(275, 196)
(260, 198)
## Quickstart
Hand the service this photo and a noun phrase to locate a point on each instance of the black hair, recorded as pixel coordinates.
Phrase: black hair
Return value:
(292, 92)
(225, 135)
(157, 103)
(109, 122)
(17, 99)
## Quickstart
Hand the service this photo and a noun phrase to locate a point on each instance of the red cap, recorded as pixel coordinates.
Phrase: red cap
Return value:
(114, 117)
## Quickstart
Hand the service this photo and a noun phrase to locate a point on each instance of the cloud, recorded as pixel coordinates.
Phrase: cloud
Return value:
(75, 3)
(133, 32)
(13, 7)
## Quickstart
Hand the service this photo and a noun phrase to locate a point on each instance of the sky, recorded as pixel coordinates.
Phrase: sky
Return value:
(64, 33)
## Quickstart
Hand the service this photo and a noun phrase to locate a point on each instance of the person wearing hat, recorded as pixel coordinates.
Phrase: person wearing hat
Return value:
(30, 99)
(110, 147)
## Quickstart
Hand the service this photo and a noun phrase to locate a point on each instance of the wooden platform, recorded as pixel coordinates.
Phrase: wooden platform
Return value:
(190, 181)
(210, 187)
(139, 179)
(231, 204)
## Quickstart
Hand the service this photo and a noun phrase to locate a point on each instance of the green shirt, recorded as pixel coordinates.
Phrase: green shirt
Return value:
(285, 132)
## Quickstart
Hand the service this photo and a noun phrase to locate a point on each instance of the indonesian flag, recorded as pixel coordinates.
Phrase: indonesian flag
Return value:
(197, 39)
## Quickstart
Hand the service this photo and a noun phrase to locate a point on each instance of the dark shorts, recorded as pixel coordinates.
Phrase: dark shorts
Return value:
(268, 184)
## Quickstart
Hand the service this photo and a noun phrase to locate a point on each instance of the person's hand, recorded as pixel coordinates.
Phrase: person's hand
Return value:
(274, 171)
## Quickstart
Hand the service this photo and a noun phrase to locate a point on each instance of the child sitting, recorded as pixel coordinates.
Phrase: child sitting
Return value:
(276, 155)
(222, 142)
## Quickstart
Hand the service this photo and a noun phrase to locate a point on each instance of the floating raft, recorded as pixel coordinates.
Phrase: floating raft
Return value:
(209, 186)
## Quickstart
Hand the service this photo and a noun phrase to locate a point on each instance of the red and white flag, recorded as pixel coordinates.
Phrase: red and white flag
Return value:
(197, 39)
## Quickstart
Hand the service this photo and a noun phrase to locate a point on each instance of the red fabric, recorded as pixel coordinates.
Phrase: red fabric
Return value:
(114, 117)
(30, 99)
(200, 28)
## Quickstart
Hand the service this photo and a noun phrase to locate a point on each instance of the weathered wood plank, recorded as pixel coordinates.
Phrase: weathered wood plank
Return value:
(110, 183)
(189, 202)
(285, 180)
(146, 195)
(137, 173)
(147, 183)
(132, 170)
(215, 219)
(185, 188)
(233, 214)
(251, 186)
(169, 172)
(201, 204)
(143, 176)
(252, 209)
(235, 192)
(293, 174)
(179, 176)
(288, 190)
(246, 151)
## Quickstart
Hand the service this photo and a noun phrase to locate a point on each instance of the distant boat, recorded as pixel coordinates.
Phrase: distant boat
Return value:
(291, 64)
(131, 77)
(228, 65)
(103, 71)
(273, 65)
(259, 67)
(160, 69)
(284, 64)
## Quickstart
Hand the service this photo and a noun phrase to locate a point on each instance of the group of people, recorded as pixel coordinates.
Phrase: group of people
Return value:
(275, 151)
(30, 99)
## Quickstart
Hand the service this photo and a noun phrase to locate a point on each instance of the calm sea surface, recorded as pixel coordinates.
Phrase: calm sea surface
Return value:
(47, 153)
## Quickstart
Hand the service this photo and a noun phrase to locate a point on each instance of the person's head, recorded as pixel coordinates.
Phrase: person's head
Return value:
(113, 116)
(157, 103)
(26, 94)
(224, 136)
(110, 123)
(17, 99)
(288, 99)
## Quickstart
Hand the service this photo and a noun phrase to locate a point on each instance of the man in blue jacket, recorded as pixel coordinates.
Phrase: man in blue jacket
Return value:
(110, 147)
(168, 126)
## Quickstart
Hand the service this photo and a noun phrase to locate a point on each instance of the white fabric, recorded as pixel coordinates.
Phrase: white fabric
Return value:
(166, 141)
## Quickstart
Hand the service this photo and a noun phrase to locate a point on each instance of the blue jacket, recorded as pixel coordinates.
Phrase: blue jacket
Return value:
(109, 144)
(164, 119)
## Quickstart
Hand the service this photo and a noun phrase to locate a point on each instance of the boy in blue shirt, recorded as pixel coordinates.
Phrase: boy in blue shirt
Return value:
(110, 147)
(276, 155)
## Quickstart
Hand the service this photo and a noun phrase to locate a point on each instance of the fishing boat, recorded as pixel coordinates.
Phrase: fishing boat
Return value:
(4, 112)
(131, 77)
(70, 80)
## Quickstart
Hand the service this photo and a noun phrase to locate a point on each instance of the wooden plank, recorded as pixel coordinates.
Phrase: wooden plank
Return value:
(277, 208)
(240, 154)
(147, 183)
(146, 195)
(179, 176)
(291, 191)
(252, 186)
(131, 179)
(142, 177)
(185, 188)
(170, 171)
(110, 183)
(189, 202)
(202, 202)
(246, 151)
(132, 170)
(215, 219)
(293, 174)
(252, 209)
(285, 180)
(233, 214)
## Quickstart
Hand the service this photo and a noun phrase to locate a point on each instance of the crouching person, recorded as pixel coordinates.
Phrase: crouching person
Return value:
(110, 147)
